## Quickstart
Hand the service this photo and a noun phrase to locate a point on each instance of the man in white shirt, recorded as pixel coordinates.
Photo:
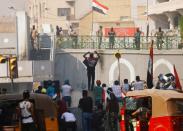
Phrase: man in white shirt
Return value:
(66, 92)
(116, 88)
(26, 113)
(69, 121)
(138, 85)
(126, 86)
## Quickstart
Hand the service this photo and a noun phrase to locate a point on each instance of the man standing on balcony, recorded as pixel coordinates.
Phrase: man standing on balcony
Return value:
(137, 39)
(34, 36)
(90, 63)
(159, 36)
(74, 37)
(111, 35)
(99, 36)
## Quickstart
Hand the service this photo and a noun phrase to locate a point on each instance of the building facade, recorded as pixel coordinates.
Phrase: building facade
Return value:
(14, 28)
(123, 15)
(50, 13)
(166, 13)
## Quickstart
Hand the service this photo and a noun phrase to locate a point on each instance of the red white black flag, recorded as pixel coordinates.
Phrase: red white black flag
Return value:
(177, 81)
(100, 8)
(150, 68)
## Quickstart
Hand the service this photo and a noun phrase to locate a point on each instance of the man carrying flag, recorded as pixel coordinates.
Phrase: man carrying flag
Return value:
(150, 68)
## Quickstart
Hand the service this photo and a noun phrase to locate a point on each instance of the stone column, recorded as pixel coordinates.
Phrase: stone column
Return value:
(22, 35)
(171, 16)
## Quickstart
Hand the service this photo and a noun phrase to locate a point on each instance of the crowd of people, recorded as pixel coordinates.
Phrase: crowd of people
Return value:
(100, 109)
(105, 100)
(62, 97)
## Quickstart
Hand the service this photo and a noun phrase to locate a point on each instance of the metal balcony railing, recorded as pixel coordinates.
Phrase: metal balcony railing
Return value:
(93, 42)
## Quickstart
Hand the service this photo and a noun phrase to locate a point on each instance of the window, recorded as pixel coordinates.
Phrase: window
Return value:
(175, 107)
(64, 11)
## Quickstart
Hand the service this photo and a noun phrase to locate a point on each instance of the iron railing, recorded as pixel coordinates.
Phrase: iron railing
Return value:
(126, 42)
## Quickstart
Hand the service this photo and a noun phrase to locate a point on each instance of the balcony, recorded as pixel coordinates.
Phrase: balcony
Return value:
(124, 42)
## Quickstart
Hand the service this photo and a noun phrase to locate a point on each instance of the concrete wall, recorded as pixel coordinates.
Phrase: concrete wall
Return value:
(46, 12)
(8, 43)
(18, 5)
(68, 65)
(23, 36)
(85, 25)
(14, 35)
(28, 71)
(86, 7)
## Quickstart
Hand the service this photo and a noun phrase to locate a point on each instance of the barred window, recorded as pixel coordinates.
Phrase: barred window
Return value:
(63, 11)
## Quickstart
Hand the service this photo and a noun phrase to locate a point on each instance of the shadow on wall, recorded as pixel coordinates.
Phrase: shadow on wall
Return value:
(71, 68)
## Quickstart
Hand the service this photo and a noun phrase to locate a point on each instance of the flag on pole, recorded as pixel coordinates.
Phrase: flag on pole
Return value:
(150, 68)
(177, 81)
(98, 7)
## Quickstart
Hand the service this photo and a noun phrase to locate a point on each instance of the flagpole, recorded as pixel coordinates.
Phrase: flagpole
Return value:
(150, 68)
(92, 22)
(92, 30)
(147, 20)
(177, 81)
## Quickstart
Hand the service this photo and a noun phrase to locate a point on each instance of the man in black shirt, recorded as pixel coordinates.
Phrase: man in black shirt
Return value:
(86, 105)
(90, 63)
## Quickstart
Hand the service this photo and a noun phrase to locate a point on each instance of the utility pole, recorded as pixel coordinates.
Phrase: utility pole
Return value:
(147, 21)
(118, 56)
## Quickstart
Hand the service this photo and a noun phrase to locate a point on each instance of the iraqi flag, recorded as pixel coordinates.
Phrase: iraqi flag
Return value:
(96, 6)
(150, 68)
(177, 81)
